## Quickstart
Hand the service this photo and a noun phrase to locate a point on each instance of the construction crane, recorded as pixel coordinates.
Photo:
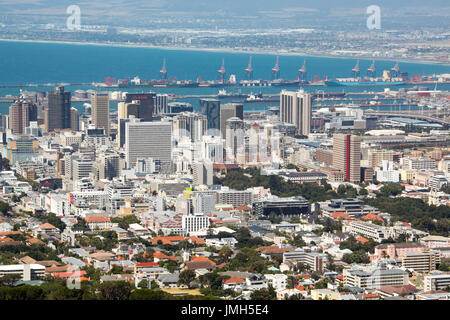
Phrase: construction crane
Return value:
(371, 72)
(249, 70)
(356, 71)
(163, 71)
(395, 71)
(276, 70)
(302, 72)
(221, 73)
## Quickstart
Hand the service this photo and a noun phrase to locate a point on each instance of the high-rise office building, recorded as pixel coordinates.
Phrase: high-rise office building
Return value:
(190, 124)
(81, 168)
(202, 172)
(162, 104)
(235, 139)
(148, 140)
(100, 110)
(211, 109)
(127, 109)
(18, 117)
(227, 111)
(347, 156)
(4, 122)
(74, 119)
(57, 113)
(146, 104)
(296, 108)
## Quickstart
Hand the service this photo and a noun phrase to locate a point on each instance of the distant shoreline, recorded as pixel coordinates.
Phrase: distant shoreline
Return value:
(225, 50)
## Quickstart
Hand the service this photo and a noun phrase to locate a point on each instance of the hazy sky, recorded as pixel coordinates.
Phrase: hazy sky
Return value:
(245, 7)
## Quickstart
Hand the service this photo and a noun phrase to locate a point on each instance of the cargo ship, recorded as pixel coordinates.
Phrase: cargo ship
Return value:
(258, 98)
(362, 82)
(138, 83)
(223, 94)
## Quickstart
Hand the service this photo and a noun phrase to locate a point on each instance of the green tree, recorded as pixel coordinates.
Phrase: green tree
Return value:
(9, 279)
(119, 290)
(264, 294)
(4, 207)
(143, 284)
(186, 277)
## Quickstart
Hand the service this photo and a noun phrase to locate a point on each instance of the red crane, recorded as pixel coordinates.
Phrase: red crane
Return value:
(221, 72)
(276, 70)
(395, 71)
(356, 70)
(249, 70)
(163, 71)
(302, 71)
(372, 71)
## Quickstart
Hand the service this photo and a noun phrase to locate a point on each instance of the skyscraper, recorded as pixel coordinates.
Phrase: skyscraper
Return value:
(162, 104)
(211, 109)
(189, 124)
(126, 109)
(146, 104)
(57, 113)
(347, 156)
(18, 117)
(227, 111)
(148, 140)
(235, 139)
(100, 110)
(74, 119)
(202, 173)
(295, 108)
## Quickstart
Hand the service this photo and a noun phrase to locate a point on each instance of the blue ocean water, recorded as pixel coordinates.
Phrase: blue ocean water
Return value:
(40, 63)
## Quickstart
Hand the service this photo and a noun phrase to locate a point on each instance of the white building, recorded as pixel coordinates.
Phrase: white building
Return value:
(277, 281)
(195, 222)
(418, 163)
(26, 271)
(375, 279)
(387, 172)
(148, 140)
(436, 282)
(369, 230)
(212, 148)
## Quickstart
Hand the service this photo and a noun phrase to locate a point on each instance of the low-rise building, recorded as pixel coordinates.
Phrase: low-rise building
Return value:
(98, 223)
(436, 282)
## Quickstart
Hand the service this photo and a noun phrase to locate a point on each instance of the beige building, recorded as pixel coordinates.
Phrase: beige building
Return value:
(296, 108)
(347, 156)
(324, 294)
(407, 175)
(377, 156)
(423, 262)
(100, 110)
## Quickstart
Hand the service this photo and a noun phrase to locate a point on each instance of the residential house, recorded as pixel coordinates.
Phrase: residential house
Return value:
(98, 223)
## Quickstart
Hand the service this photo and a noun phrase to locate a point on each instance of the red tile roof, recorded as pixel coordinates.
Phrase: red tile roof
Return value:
(370, 295)
(97, 219)
(196, 240)
(46, 226)
(361, 239)
(7, 233)
(373, 217)
(273, 249)
(69, 274)
(160, 255)
(147, 264)
(339, 215)
(35, 241)
(233, 280)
